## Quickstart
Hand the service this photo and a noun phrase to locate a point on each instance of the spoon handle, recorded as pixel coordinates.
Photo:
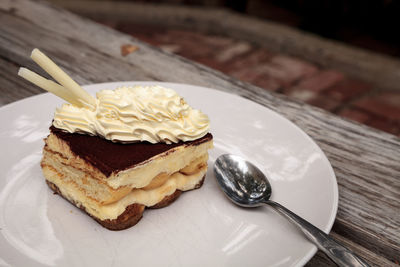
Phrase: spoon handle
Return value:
(337, 252)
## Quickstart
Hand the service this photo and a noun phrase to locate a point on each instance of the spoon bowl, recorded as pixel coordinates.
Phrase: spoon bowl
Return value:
(241, 181)
(247, 186)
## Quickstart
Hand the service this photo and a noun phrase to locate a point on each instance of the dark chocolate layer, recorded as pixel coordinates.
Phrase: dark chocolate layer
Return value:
(111, 157)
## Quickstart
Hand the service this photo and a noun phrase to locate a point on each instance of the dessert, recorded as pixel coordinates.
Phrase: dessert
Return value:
(129, 149)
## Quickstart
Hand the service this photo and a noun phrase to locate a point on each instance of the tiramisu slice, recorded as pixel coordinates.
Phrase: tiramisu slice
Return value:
(114, 182)
(129, 149)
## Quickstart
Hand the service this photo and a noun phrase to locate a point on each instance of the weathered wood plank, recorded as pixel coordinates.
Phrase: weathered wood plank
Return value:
(365, 160)
(320, 259)
(12, 88)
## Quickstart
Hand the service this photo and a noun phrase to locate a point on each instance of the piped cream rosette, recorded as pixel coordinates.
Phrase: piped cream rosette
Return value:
(139, 113)
(127, 114)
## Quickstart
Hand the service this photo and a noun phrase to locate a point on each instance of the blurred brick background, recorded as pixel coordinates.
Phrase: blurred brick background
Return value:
(325, 88)
(365, 24)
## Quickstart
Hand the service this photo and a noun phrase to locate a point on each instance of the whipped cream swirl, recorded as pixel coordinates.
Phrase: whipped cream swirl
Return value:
(133, 114)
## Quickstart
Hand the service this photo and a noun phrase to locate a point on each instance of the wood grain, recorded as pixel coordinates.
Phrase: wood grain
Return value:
(320, 259)
(366, 161)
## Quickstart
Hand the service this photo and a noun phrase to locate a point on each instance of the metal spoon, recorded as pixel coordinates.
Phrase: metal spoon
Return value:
(247, 186)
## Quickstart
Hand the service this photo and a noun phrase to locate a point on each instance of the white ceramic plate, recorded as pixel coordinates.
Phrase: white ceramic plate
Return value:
(202, 228)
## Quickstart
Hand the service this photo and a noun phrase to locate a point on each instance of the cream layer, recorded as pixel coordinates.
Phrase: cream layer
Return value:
(169, 162)
(70, 190)
(141, 175)
(98, 188)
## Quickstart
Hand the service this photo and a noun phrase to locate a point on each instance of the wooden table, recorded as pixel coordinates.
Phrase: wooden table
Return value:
(366, 161)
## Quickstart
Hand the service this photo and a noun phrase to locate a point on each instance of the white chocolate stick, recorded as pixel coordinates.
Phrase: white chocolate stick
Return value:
(49, 86)
(60, 76)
